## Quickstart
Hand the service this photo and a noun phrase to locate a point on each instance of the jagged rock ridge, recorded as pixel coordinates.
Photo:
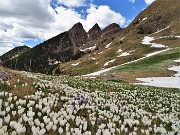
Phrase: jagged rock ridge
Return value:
(61, 48)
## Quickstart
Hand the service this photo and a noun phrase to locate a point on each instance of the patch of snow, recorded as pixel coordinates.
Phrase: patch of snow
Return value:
(89, 48)
(157, 45)
(108, 45)
(75, 64)
(124, 54)
(93, 58)
(176, 69)
(119, 51)
(161, 30)
(57, 62)
(178, 60)
(122, 38)
(99, 72)
(169, 82)
(171, 36)
(177, 36)
(144, 19)
(157, 52)
(97, 62)
(53, 61)
(108, 69)
(147, 41)
(100, 52)
(109, 62)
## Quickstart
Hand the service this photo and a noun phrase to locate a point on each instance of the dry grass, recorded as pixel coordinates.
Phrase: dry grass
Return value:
(17, 87)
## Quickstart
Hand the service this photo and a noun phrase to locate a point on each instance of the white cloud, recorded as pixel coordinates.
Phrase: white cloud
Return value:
(72, 3)
(149, 1)
(103, 15)
(63, 20)
(25, 20)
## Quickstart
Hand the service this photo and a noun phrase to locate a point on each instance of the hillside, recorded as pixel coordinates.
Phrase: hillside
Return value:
(111, 81)
(64, 47)
(153, 22)
(14, 53)
(77, 52)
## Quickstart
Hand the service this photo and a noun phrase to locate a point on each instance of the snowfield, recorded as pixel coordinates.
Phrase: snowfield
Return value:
(169, 82)
(147, 41)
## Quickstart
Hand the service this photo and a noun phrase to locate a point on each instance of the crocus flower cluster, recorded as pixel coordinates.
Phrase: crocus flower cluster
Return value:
(79, 108)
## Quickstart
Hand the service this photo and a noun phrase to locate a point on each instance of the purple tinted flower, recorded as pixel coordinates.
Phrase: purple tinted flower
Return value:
(72, 99)
(99, 119)
(86, 101)
(82, 100)
(4, 76)
(72, 107)
(79, 101)
(78, 98)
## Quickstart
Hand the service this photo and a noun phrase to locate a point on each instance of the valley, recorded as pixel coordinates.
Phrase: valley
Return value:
(101, 81)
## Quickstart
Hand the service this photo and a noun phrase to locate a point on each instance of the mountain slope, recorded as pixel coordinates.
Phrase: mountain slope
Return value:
(77, 52)
(64, 47)
(154, 22)
(158, 15)
(14, 52)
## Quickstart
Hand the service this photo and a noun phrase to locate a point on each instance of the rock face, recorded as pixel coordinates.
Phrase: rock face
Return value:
(94, 33)
(99, 37)
(111, 30)
(78, 35)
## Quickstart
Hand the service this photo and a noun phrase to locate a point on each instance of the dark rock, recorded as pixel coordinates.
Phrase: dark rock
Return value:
(111, 30)
(78, 35)
(94, 33)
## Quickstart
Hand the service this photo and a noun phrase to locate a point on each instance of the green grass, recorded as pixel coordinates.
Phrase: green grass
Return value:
(156, 61)
(111, 54)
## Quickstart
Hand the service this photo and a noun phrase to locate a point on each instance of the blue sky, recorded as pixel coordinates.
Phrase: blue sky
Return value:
(30, 22)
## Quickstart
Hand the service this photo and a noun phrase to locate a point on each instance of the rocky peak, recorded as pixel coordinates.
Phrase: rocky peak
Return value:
(94, 29)
(93, 34)
(111, 27)
(78, 35)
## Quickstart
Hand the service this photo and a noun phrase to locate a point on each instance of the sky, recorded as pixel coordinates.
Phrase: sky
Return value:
(30, 22)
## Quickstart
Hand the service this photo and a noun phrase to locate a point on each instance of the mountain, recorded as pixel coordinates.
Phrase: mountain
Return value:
(157, 16)
(159, 22)
(78, 35)
(13, 54)
(79, 52)
(64, 47)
